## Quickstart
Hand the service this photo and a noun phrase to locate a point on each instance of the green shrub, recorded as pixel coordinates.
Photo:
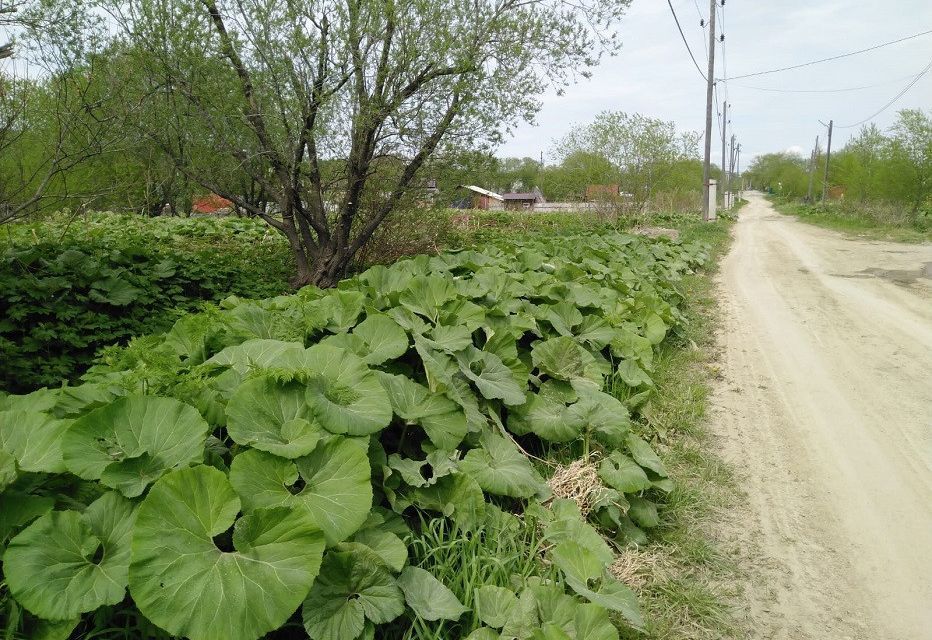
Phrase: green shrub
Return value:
(69, 286)
(322, 459)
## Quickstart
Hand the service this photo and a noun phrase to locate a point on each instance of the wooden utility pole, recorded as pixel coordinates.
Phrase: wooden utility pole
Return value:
(710, 88)
(828, 158)
(731, 166)
(738, 169)
(813, 158)
(724, 181)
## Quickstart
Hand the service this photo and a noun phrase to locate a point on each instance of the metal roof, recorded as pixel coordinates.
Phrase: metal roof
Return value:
(482, 191)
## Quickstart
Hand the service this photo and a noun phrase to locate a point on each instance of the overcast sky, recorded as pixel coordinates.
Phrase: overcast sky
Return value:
(653, 74)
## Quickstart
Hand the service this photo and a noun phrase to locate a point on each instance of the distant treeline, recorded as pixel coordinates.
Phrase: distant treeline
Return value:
(875, 166)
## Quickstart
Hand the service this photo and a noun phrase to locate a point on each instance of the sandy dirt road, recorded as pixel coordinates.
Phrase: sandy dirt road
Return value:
(825, 409)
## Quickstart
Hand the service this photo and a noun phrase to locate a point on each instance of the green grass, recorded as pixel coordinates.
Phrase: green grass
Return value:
(687, 585)
(505, 552)
(871, 221)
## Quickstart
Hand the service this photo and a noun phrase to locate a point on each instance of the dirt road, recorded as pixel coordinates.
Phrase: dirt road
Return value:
(826, 410)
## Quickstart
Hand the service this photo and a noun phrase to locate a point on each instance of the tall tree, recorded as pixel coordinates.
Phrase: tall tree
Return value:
(334, 107)
(644, 150)
(47, 124)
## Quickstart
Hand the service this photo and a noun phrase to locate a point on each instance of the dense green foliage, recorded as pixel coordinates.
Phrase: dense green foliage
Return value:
(69, 286)
(881, 177)
(291, 450)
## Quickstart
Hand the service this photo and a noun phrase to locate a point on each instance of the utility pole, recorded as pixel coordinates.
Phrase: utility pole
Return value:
(813, 158)
(731, 167)
(828, 158)
(738, 169)
(710, 87)
(724, 181)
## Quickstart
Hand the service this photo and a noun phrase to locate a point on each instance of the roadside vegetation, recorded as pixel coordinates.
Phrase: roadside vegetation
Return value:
(875, 220)
(474, 399)
(346, 410)
(879, 184)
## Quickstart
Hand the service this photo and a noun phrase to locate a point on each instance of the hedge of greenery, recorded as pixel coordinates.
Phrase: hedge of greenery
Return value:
(274, 465)
(71, 286)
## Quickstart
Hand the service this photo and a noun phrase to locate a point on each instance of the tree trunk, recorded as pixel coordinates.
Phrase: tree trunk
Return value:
(325, 269)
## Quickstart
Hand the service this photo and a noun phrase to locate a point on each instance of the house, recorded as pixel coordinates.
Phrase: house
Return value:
(524, 201)
(483, 198)
(211, 205)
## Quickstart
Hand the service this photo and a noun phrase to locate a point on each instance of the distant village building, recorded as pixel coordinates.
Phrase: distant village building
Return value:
(480, 198)
(524, 201)
(211, 205)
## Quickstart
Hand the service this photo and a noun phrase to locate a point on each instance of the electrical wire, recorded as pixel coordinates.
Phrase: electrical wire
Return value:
(843, 55)
(698, 10)
(721, 9)
(845, 90)
(683, 36)
(902, 93)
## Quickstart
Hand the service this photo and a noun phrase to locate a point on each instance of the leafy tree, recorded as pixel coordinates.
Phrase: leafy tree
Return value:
(912, 142)
(783, 173)
(47, 125)
(277, 89)
(578, 170)
(642, 149)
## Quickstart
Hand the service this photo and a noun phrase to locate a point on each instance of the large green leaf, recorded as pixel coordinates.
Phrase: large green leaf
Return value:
(622, 473)
(593, 623)
(114, 290)
(351, 589)
(564, 359)
(273, 416)
(7, 469)
(34, 439)
(585, 574)
(383, 339)
(332, 484)
(425, 295)
(261, 354)
(547, 415)
(344, 394)
(491, 376)
(604, 415)
(442, 419)
(450, 338)
(457, 496)
(132, 441)
(494, 605)
(644, 455)
(568, 524)
(66, 563)
(18, 509)
(501, 469)
(183, 582)
(643, 512)
(429, 598)
(389, 548)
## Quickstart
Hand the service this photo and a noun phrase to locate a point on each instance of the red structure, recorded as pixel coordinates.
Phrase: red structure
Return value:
(210, 204)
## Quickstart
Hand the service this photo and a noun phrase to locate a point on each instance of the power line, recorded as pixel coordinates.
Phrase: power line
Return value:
(699, 11)
(683, 36)
(727, 97)
(902, 93)
(843, 55)
(845, 90)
